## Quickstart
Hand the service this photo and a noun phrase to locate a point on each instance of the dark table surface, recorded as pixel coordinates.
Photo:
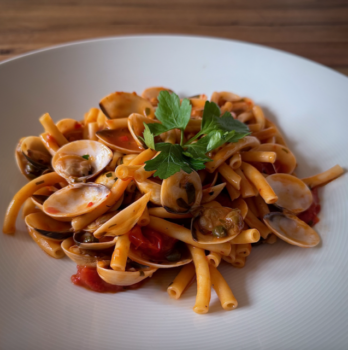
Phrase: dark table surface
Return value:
(315, 29)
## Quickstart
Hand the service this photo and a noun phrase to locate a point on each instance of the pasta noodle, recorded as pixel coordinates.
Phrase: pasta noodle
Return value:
(123, 199)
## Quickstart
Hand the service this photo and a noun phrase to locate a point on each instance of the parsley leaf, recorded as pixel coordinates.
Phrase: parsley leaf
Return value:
(148, 137)
(197, 164)
(198, 150)
(211, 121)
(86, 156)
(170, 161)
(171, 113)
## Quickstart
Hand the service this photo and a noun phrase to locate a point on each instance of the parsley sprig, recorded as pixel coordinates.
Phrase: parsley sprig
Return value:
(215, 131)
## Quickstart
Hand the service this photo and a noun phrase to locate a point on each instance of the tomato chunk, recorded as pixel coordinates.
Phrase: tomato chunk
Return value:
(151, 242)
(310, 216)
(88, 277)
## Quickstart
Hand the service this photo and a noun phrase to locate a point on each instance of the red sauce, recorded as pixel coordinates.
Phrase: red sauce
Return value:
(88, 277)
(310, 216)
(152, 243)
(89, 204)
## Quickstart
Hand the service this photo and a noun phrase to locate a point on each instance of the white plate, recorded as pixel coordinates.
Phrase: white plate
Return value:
(289, 298)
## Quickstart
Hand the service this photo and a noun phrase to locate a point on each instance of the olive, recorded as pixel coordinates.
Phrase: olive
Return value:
(219, 231)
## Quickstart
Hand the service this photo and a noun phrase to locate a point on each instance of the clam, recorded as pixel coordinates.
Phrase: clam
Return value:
(71, 129)
(285, 158)
(122, 104)
(32, 157)
(48, 227)
(84, 257)
(39, 197)
(80, 160)
(136, 126)
(122, 222)
(123, 278)
(291, 229)
(86, 240)
(293, 194)
(213, 225)
(181, 192)
(179, 256)
(74, 200)
(152, 93)
(120, 140)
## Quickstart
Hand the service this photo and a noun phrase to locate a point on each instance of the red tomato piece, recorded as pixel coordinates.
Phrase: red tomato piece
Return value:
(151, 242)
(124, 138)
(310, 216)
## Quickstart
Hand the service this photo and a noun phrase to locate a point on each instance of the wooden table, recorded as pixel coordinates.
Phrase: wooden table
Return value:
(316, 29)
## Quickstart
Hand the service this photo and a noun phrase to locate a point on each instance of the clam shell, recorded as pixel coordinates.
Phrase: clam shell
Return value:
(26, 155)
(124, 221)
(175, 192)
(101, 245)
(48, 227)
(99, 158)
(71, 129)
(122, 104)
(213, 212)
(82, 257)
(291, 229)
(107, 179)
(138, 256)
(210, 193)
(293, 194)
(113, 138)
(285, 157)
(122, 278)
(75, 200)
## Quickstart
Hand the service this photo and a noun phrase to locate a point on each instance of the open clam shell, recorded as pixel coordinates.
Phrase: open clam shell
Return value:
(285, 158)
(71, 129)
(214, 224)
(124, 221)
(181, 192)
(74, 200)
(84, 257)
(136, 126)
(122, 104)
(122, 278)
(80, 160)
(32, 157)
(291, 229)
(120, 140)
(86, 240)
(210, 193)
(48, 227)
(152, 93)
(293, 194)
(142, 258)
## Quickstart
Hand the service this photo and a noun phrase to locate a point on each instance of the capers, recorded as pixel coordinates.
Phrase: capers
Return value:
(174, 256)
(88, 238)
(219, 231)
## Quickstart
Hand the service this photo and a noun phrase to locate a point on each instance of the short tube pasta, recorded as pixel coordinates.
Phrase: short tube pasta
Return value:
(260, 183)
(120, 254)
(203, 280)
(52, 129)
(181, 281)
(247, 236)
(222, 289)
(324, 177)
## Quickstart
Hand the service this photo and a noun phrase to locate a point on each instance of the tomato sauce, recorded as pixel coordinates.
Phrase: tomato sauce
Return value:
(310, 216)
(154, 244)
(88, 277)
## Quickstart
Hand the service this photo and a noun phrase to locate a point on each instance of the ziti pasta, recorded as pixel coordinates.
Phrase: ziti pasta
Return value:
(154, 182)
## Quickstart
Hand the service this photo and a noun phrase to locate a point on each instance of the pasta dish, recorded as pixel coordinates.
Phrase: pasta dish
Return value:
(156, 182)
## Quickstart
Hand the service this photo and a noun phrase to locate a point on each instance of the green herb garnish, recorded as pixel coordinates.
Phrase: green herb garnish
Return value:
(108, 174)
(86, 156)
(215, 131)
